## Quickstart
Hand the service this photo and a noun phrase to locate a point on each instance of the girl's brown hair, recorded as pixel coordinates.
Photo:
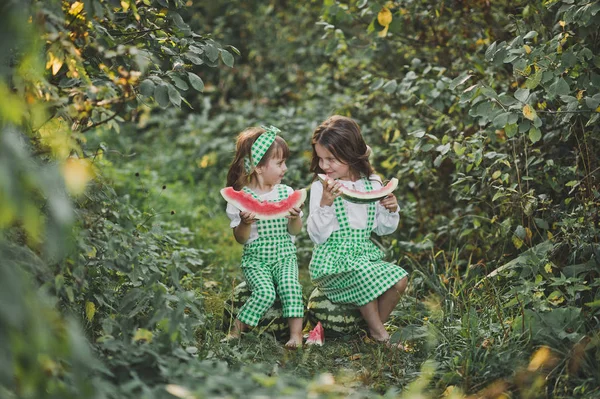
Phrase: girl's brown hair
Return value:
(341, 136)
(237, 177)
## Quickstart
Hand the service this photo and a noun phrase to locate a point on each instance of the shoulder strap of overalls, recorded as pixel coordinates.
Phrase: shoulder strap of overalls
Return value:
(252, 193)
(372, 205)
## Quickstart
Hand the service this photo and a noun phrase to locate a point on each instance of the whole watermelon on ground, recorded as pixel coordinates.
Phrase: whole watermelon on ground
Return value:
(337, 319)
(272, 321)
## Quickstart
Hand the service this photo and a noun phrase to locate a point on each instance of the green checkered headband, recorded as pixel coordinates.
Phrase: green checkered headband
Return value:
(260, 147)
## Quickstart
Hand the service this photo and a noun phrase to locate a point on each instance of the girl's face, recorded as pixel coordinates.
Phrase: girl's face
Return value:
(333, 167)
(272, 171)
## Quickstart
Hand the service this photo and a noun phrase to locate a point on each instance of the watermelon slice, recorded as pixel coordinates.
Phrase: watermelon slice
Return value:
(316, 336)
(361, 197)
(263, 209)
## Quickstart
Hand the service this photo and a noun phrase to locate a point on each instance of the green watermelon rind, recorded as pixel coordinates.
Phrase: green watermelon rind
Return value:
(337, 319)
(360, 197)
(264, 210)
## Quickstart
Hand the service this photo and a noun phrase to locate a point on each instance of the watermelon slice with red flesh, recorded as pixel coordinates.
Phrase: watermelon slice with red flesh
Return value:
(316, 336)
(361, 197)
(263, 209)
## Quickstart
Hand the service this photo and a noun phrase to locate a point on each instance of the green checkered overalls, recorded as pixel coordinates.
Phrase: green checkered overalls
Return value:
(347, 267)
(270, 267)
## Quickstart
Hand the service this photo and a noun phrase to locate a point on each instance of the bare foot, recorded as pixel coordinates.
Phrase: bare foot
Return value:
(230, 337)
(389, 344)
(294, 342)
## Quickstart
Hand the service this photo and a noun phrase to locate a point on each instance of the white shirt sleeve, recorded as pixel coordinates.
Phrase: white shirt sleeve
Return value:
(289, 192)
(386, 222)
(322, 221)
(234, 215)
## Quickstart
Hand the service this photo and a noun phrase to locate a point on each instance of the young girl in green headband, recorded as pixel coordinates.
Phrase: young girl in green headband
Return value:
(269, 261)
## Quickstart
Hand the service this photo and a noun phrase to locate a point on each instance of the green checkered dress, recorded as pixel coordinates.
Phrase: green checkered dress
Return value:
(347, 267)
(270, 267)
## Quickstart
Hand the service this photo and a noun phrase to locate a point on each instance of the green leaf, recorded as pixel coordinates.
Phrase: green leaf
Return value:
(534, 80)
(174, 96)
(161, 95)
(510, 130)
(534, 134)
(501, 119)
(530, 35)
(459, 149)
(180, 83)
(147, 88)
(227, 58)
(499, 194)
(520, 232)
(560, 87)
(211, 52)
(459, 80)
(541, 223)
(522, 95)
(196, 81)
(378, 84)
(390, 86)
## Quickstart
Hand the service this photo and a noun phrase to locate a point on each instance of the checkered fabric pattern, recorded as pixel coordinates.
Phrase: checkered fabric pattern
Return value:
(260, 147)
(348, 267)
(270, 267)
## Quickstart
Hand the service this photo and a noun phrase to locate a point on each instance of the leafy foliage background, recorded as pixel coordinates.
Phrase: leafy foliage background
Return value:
(118, 123)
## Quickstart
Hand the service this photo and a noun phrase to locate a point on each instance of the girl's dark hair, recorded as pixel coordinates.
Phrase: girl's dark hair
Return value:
(341, 136)
(237, 177)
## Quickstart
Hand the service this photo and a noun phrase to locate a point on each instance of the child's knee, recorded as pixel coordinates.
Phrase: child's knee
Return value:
(267, 295)
(401, 285)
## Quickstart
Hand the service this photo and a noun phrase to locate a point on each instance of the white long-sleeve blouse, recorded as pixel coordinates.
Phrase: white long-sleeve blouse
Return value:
(322, 221)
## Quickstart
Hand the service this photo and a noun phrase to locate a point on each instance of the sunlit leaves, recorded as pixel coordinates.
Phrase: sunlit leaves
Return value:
(77, 173)
(142, 334)
(384, 17)
(90, 310)
(529, 112)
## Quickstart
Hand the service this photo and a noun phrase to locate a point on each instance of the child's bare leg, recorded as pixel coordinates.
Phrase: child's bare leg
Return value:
(389, 299)
(295, 332)
(237, 329)
(370, 312)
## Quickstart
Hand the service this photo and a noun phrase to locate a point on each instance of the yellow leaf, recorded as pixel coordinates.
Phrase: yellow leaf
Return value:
(90, 310)
(384, 17)
(125, 5)
(562, 23)
(77, 173)
(598, 109)
(55, 62)
(76, 8)
(550, 235)
(529, 112)
(528, 233)
(539, 358)
(383, 32)
(580, 94)
(548, 267)
(517, 242)
(527, 49)
(143, 335)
